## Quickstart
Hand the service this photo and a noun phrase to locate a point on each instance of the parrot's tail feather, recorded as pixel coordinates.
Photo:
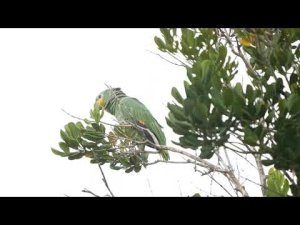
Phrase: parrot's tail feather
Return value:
(164, 154)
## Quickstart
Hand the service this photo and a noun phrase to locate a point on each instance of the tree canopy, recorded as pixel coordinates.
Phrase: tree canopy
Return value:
(241, 95)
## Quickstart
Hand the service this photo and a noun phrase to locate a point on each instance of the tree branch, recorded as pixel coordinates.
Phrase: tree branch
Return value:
(105, 181)
(261, 173)
(239, 53)
(226, 172)
(289, 177)
(231, 176)
(182, 64)
(217, 182)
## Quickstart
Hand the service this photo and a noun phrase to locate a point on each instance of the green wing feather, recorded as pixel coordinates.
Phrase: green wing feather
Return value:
(132, 110)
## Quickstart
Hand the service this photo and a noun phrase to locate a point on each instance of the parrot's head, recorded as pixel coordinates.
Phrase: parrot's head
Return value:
(109, 96)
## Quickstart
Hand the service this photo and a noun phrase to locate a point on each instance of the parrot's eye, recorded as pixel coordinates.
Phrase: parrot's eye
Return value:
(99, 96)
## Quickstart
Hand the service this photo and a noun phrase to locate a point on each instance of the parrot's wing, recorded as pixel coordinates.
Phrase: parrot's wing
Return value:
(133, 111)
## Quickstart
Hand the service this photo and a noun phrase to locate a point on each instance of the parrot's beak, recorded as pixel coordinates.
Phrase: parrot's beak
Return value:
(100, 102)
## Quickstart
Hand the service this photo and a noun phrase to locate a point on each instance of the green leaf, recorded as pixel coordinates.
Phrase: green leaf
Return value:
(202, 111)
(267, 162)
(161, 45)
(188, 104)
(177, 129)
(282, 105)
(93, 136)
(227, 96)
(206, 67)
(75, 155)
(196, 195)
(129, 169)
(207, 151)
(250, 94)
(250, 137)
(217, 100)
(177, 111)
(137, 168)
(216, 83)
(277, 185)
(64, 136)
(222, 53)
(69, 141)
(96, 126)
(239, 90)
(190, 37)
(56, 152)
(260, 108)
(72, 130)
(293, 104)
(64, 147)
(98, 161)
(79, 125)
(175, 93)
(184, 125)
(87, 144)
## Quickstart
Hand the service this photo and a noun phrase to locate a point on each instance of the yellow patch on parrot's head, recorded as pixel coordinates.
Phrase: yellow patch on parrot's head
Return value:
(100, 101)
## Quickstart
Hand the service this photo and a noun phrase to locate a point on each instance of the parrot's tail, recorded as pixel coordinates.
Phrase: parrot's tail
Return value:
(164, 154)
(162, 151)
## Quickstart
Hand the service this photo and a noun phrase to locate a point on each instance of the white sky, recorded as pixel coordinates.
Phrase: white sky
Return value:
(44, 70)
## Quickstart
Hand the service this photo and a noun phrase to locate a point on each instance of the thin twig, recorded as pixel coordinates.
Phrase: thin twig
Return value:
(109, 124)
(105, 181)
(228, 160)
(72, 115)
(90, 192)
(180, 191)
(230, 175)
(171, 162)
(217, 182)
(239, 53)
(149, 185)
(289, 177)
(226, 172)
(202, 162)
(166, 59)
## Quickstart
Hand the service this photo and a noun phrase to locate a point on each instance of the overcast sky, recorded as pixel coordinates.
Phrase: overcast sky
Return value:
(45, 70)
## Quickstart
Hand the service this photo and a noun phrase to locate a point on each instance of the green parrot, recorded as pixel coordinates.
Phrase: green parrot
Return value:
(128, 110)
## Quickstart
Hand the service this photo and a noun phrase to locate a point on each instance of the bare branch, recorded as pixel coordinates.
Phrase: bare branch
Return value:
(149, 185)
(217, 182)
(105, 181)
(201, 162)
(289, 177)
(170, 162)
(226, 172)
(261, 173)
(231, 176)
(109, 124)
(167, 59)
(239, 52)
(228, 160)
(71, 115)
(179, 188)
(90, 192)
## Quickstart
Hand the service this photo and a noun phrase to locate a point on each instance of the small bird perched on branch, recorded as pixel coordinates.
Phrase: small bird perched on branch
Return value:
(131, 111)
